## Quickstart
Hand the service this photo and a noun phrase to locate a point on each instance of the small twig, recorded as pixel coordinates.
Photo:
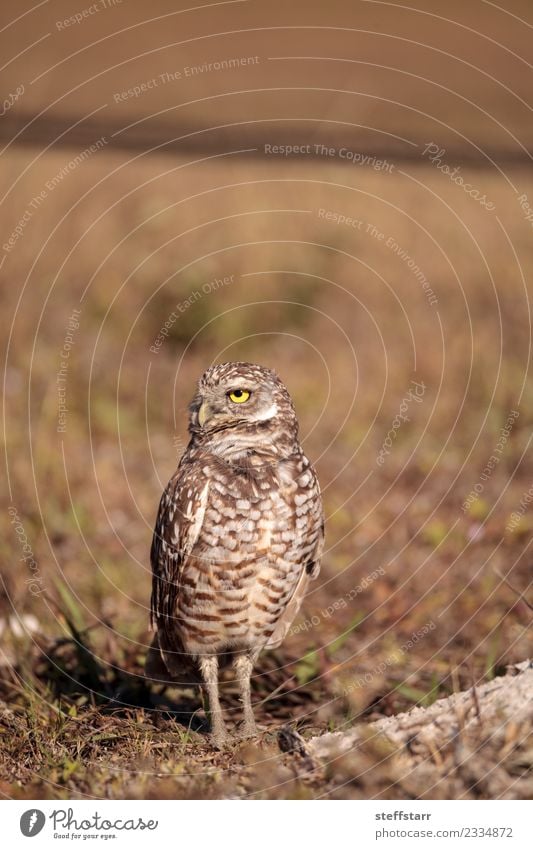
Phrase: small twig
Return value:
(275, 692)
(458, 708)
(434, 751)
(475, 695)
(520, 594)
(454, 673)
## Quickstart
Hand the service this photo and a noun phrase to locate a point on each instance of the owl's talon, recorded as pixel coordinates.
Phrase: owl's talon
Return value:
(219, 739)
(247, 730)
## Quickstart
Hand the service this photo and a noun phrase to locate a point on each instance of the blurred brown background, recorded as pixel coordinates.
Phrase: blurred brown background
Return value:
(147, 232)
(384, 74)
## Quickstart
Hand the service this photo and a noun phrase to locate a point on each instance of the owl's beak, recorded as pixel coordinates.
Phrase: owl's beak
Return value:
(203, 413)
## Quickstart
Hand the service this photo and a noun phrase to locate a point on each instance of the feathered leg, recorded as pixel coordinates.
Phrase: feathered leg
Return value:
(243, 665)
(209, 669)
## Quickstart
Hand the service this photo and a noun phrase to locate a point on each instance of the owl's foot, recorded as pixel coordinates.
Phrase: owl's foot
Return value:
(219, 738)
(247, 729)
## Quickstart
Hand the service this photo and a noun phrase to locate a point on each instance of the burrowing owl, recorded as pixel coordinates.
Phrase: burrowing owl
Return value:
(238, 535)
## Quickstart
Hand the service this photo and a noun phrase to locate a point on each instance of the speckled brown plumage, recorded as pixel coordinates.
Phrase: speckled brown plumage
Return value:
(238, 535)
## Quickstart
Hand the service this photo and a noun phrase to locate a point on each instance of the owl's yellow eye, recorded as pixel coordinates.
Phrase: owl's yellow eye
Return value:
(238, 396)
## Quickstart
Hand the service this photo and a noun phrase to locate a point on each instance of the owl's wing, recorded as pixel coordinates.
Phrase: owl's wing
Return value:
(313, 546)
(178, 525)
(168, 666)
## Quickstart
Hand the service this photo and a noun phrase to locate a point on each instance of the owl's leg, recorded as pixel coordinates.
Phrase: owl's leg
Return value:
(243, 665)
(209, 669)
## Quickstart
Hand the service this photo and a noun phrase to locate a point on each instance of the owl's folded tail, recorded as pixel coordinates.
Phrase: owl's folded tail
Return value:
(167, 666)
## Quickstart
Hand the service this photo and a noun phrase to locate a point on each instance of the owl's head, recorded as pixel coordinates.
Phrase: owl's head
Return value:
(244, 399)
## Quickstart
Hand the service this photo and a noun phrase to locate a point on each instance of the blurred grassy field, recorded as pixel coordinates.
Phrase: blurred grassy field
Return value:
(344, 320)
